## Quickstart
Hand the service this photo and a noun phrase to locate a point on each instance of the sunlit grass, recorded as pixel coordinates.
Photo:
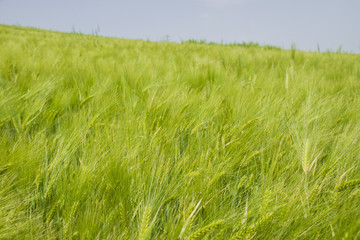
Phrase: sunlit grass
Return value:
(105, 138)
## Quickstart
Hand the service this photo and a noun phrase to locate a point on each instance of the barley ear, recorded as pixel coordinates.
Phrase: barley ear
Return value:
(347, 185)
(122, 214)
(144, 225)
(52, 212)
(71, 217)
(205, 230)
(189, 221)
(123, 221)
(305, 157)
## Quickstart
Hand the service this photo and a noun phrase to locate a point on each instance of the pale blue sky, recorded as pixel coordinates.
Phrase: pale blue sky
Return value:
(307, 23)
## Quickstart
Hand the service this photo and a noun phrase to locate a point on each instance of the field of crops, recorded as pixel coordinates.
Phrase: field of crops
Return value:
(104, 138)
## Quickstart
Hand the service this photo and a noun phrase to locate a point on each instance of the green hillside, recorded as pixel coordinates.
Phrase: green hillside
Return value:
(105, 138)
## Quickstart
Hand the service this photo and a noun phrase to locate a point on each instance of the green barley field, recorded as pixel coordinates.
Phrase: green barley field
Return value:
(105, 138)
